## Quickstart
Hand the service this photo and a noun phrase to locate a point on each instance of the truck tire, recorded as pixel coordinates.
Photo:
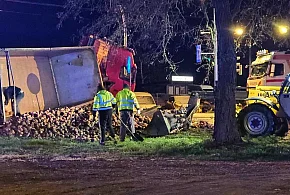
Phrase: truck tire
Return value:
(256, 120)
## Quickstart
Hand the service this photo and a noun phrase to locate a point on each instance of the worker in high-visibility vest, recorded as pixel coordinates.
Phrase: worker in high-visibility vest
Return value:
(126, 101)
(104, 102)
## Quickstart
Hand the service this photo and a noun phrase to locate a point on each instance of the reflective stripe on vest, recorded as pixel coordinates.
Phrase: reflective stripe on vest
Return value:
(126, 104)
(100, 104)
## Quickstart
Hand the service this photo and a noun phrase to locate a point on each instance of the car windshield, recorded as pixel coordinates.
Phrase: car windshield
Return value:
(259, 70)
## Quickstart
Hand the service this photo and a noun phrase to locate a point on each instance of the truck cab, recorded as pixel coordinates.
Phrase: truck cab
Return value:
(116, 63)
(267, 73)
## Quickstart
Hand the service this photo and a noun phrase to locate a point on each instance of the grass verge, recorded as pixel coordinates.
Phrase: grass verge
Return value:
(194, 144)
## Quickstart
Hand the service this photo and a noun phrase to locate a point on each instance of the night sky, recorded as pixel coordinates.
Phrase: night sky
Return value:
(25, 25)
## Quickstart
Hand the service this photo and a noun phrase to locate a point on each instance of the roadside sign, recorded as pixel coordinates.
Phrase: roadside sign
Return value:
(129, 65)
(198, 53)
(182, 78)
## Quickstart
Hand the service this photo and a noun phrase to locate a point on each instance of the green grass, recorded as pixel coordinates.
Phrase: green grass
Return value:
(181, 144)
(195, 145)
(46, 147)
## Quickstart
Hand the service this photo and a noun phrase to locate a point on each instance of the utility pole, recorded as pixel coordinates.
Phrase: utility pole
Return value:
(213, 33)
(125, 43)
(250, 52)
(215, 50)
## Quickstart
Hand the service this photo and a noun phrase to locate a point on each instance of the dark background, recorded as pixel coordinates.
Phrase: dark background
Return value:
(25, 24)
(28, 25)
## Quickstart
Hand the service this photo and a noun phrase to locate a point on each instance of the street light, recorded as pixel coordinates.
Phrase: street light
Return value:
(239, 31)
(283, 30)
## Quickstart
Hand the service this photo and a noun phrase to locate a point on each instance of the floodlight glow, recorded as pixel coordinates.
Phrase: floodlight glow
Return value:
(239, 31)
(283, 29)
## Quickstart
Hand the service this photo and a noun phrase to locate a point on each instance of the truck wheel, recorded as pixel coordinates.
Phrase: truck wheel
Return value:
(256, 120)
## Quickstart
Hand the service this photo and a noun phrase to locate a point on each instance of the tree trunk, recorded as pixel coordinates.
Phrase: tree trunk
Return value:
(225, 127)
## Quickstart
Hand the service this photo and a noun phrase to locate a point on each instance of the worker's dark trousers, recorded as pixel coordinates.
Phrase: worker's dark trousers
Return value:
(127, 117)
(105, 121)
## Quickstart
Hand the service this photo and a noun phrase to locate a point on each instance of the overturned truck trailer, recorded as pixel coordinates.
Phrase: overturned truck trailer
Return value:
(49, 77)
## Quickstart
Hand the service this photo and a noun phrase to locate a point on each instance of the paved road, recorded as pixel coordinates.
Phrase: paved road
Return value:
(109, 175)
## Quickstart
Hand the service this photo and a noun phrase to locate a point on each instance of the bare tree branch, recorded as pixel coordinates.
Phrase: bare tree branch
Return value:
(157, 29)
(236, 8)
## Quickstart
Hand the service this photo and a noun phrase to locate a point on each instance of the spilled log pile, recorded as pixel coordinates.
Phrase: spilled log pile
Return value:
(76, 123)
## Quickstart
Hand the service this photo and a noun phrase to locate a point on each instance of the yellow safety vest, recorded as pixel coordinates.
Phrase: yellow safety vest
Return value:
(103, 100)
(126, 100)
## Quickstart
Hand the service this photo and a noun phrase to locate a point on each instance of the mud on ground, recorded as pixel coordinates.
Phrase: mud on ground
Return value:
(105, 174)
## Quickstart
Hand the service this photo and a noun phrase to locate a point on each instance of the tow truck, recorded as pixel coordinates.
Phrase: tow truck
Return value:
(267, 73)
(263, 114)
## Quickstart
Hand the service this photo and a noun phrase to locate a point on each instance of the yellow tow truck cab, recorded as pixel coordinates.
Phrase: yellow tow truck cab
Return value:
(267, 73)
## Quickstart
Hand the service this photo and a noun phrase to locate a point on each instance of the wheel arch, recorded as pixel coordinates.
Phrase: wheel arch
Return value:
(260, 104)
(265, 101)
